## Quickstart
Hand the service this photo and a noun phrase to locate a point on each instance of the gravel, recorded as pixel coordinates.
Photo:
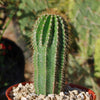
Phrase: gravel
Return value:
(27, 92)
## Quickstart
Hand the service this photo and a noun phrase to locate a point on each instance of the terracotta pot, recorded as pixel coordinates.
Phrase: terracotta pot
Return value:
(83, 88)
(10, 88)
(72, 85)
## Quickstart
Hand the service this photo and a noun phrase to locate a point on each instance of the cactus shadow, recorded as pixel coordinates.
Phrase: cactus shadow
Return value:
(11, 65)
(75, 38)
(76, 73)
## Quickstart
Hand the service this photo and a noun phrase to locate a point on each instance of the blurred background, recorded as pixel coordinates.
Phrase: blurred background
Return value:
(17, 18)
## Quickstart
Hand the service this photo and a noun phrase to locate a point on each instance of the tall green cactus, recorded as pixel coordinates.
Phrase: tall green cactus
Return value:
(51, 40)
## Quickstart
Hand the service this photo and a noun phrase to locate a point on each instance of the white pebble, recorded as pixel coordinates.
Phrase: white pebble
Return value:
(23, 98)
(62, 94)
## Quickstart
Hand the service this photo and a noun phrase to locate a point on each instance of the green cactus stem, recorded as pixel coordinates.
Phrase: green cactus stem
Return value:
(51, 42)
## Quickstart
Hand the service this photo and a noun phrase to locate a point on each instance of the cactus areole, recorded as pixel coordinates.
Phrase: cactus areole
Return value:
(50, 40)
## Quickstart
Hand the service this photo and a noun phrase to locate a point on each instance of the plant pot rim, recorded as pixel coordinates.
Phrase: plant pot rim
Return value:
(84, 88)
(70, 84)
(10, 88)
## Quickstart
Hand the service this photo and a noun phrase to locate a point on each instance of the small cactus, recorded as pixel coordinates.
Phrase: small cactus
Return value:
(51, 42)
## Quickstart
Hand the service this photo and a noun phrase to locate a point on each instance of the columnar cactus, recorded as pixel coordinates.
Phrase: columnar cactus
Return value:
(51, 42)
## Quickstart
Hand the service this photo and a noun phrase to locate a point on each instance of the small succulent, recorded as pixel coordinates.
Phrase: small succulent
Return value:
(51, 42)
